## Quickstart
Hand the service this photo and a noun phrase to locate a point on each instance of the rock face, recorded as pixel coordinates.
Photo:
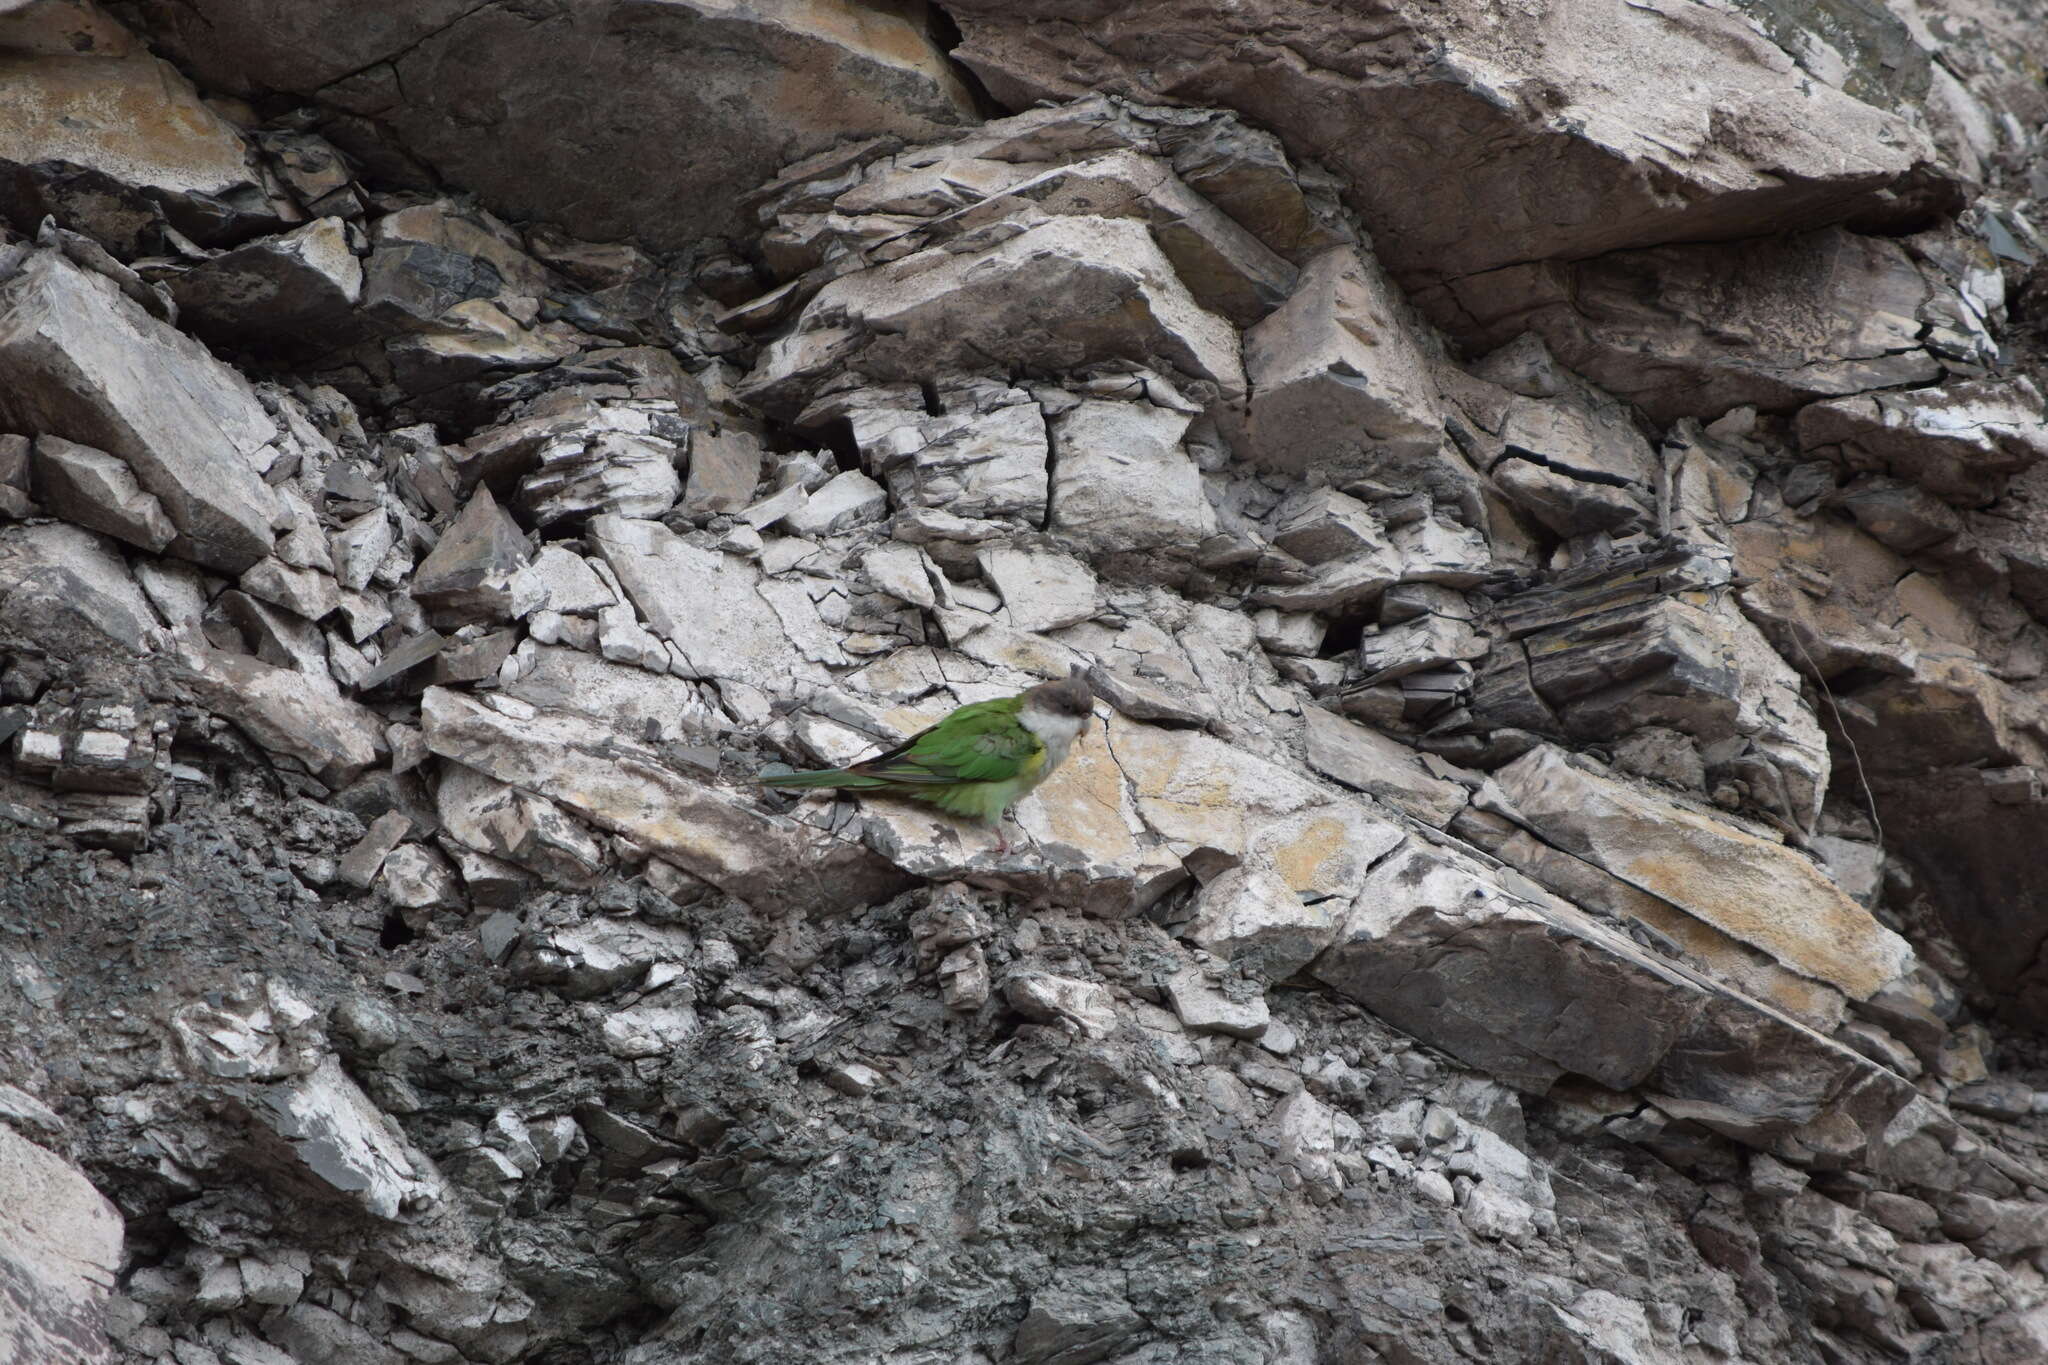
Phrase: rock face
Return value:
(1548, 507)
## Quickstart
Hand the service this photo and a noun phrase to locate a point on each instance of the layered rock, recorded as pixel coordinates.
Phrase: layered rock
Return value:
(1549, 871)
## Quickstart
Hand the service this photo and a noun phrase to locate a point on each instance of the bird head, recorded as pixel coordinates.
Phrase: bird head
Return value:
(1070, 696)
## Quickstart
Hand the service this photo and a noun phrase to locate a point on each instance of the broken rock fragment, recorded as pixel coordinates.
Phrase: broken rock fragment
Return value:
(1338, 383)
(469, 574)
(99, 492)
(81, 361)
(1961, 442)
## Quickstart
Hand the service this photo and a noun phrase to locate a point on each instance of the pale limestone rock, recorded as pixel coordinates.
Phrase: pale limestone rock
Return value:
(1123, 483)
(1249, 917)
(1114, 294)
(335, 738)
(621, 461)
(904, 572)
(560, 580)
(1317, 525)
(1756, 891)
(596, 956)
(650, 1029)
(1428, 642)
(469, 574)
(340, 1139)
(983, 455)
(1209, 800)
(1535, 990)
(1338, 383)
(68, 589)
(303, 592)
(755, 83)
(80, 361)
(724, 468)
(1228, 270)
(60, 1249)
(1235, 1008)
(638, 705)
(1367, 760)
(625, 788)
(99, 492)
(519, 827)
(416, 877)
(848, 500)
(1475, 180)
(1085, 1007)
(1040, 590)
(704, 603)
(360, 546)
(1961, 442)
(1303, 1133)
(1694, 330)
(360, 865)
(1290, 633)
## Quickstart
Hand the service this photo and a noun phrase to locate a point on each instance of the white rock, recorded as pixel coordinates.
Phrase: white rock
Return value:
(847, 500)
(1085, 1006)
(1041, 590)
(1123, 483)
(1203, 1006)
(1250, 917)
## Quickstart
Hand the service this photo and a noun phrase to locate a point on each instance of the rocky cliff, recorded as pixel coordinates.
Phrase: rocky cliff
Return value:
(1549, 498)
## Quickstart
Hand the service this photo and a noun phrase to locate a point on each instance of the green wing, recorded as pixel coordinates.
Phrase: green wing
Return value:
(980, 742)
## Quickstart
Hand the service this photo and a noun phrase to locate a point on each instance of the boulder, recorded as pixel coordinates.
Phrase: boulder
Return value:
(80, 360)
(756, 84)
(60, 1250)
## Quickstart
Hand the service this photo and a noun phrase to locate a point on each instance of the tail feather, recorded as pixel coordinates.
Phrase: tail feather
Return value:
(823, 777)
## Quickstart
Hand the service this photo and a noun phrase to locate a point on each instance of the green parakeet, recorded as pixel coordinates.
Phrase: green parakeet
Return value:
(978, 761)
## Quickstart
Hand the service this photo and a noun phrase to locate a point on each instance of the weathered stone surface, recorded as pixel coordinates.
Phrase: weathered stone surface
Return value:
(1646, 641)
(757, 83)
(1123, 483)
(67, 590)
(1961, 442)
(1338, 383)
(332, 1130)
(99, 492)
(486, 816)
(847, 500)
(336, 739)
(1118, 298)
(1040, 591)
(984, 455)
(1772, 325)
(1228, 270)
(60, 1249)
(621, 460)
(469, 574)
(1084, 1007)
(1529, 991)
(708, 605)
(1759, 892)
(287, 294)
(1643, 159)
(113, 140)
(80, 361)
(1361, 757)
(627, 789)
(1254, 920)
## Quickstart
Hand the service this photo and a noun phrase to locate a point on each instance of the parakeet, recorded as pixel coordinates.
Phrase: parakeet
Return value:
(978, 761)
